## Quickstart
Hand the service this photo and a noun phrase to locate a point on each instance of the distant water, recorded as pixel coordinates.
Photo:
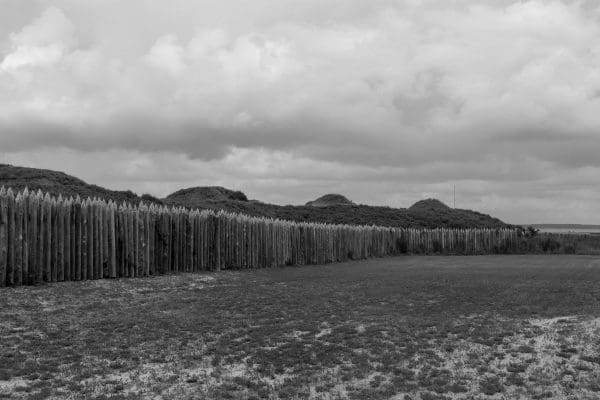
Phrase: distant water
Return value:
(571, 230)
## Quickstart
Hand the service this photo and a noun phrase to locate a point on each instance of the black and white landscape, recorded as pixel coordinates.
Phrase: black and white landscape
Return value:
(334, 199)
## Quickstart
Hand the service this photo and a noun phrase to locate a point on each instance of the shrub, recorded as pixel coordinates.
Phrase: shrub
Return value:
(571, 248)
(238, 195)
(401, 245)
(151, 199)
(531, 232)
(491, 385)
(550, 245)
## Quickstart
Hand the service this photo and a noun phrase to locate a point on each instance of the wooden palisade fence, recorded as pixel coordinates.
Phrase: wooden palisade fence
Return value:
(49, 239)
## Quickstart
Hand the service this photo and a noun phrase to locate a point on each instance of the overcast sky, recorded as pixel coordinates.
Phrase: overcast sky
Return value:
(386, 102)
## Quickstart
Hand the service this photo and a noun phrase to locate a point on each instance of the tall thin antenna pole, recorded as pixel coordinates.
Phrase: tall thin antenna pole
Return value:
(454, 187)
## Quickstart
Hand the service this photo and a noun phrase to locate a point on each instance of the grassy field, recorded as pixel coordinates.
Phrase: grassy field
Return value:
(493, 327)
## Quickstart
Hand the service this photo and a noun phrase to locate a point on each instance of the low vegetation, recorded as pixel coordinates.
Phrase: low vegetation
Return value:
(205, 193)
(419, 328)
(330, 200)
(352, 214)
(534, 242)
(55, 183)
(426, 213)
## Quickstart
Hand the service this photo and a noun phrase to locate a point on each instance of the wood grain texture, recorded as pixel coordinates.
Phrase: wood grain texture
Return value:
(49, 239)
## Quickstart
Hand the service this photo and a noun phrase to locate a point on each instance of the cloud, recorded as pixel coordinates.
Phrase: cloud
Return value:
(498, 92)
(41, 43)
(166, 54)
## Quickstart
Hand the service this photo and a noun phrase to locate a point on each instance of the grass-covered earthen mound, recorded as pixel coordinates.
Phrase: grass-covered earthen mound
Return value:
(439, 214)
(352, 214)
(335, 209)
(204, 194)
(429, 205)
(58, 183)
(330, 200)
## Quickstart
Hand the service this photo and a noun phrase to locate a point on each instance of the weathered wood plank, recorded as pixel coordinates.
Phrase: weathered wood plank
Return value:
(77, 242)
(3, 236)
(11, 243)
(97, 242)
(105, 240)
(131, 242)
(141, 242)
(84, 240)
(121, 243)
(90, 238)
(60, 239)
(54, 241)
(74, 241)
(26, 235)
(18, 278)
(112, 241)
(67, 248)
(40, 238)
(32, 217)
(148, 242)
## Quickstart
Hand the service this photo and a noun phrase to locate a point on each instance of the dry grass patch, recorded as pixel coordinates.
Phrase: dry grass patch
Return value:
(403, 328)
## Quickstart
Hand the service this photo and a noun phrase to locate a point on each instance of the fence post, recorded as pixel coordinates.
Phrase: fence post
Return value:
(104, 262)
(32, 211)
(67, 249)
(131, 222)
(89, 229)
(19, 240)
(111, 237)
(54, 241)
(3, 236)
(218, 242)
(40, 236)
(26, 233)
(10, 235)
(97, 240)
(84, 240)
(76, 238)
(120, 217)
